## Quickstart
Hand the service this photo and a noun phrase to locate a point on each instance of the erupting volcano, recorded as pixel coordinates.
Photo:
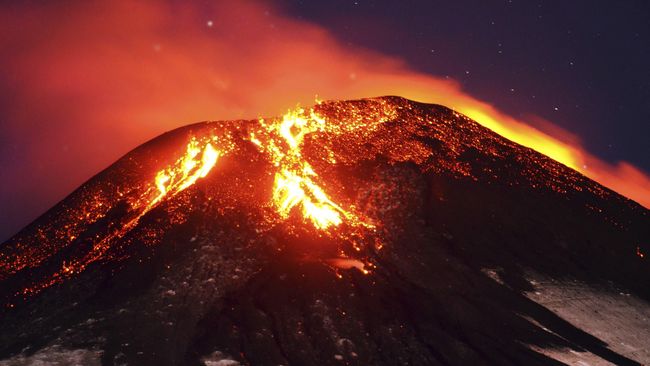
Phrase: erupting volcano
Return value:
(374, 231)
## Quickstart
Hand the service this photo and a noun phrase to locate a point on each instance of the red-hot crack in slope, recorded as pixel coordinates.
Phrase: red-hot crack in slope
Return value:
(199, 159)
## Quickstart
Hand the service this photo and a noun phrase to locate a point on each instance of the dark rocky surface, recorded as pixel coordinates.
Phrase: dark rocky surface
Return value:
(474, 229)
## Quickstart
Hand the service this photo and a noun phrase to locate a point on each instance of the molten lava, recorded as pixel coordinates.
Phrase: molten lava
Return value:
(199, 158)
(294, 181)
(296, 189)
(186, 171)
(96, 86)
(310, 166)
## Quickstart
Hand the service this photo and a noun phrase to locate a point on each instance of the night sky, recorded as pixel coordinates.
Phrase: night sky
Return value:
(581, 64)
(82, 83)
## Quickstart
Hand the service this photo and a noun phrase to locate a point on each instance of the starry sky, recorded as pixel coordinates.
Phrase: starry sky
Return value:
(84, 82)
(581, 64)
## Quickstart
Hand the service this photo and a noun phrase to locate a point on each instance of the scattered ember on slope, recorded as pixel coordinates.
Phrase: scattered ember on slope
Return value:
(198, 160)
(302, 150)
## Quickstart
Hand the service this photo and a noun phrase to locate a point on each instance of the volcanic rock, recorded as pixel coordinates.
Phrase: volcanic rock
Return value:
(453, 246)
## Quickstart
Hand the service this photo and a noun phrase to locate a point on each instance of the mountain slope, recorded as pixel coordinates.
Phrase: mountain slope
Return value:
(376, 231)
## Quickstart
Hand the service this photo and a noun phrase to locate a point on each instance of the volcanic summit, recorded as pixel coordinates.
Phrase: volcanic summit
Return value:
(379, 231)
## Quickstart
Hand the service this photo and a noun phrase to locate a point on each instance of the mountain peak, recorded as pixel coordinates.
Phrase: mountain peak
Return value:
(406, 207)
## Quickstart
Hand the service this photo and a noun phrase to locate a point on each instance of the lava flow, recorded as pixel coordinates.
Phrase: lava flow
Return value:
(294, 182)
(199, 158)
(295, 189)
(186, 171)
(309, 173)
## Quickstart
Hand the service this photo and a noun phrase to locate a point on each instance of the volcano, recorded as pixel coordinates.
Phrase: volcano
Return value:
(379, 231)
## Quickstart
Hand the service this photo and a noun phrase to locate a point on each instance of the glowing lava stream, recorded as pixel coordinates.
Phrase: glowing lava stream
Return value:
(199, 159)
(294, 186)
(187, 170)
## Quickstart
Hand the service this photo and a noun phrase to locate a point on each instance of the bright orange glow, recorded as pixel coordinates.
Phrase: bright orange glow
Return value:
(294, 184)
(199, 159)
(296, 189)
(291, 190)
(526, 136)
(197, 162)
(84, 85)
(355, 211)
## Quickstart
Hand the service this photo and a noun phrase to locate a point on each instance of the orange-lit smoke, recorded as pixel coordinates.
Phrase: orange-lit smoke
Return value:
(85, 82)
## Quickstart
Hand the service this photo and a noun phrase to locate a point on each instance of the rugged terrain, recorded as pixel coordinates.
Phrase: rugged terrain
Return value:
(375, 231)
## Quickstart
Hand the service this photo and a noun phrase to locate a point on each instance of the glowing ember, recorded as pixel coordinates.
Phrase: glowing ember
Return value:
(292, 190)
(639, 252)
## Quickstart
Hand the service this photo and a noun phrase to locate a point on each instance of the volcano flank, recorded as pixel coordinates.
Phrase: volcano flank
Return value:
(369, 232)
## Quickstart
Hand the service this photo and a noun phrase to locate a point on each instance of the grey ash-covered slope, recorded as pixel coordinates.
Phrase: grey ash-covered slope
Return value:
(492, 254)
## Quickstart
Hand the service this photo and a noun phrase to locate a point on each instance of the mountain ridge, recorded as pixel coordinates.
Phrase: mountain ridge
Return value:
(446, 217)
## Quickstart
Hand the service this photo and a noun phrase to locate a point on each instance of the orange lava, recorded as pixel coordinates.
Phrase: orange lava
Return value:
(292, 150)
(174, 69)
(198, 160)
(296, 189)
(295, 183)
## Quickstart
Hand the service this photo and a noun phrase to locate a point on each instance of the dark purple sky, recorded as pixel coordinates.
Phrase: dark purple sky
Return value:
(582, 64)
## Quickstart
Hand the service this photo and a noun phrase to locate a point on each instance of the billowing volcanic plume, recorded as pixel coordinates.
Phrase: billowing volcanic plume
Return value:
(361, 214)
